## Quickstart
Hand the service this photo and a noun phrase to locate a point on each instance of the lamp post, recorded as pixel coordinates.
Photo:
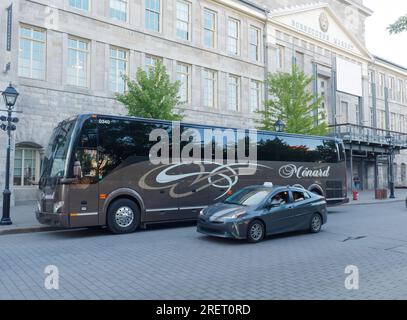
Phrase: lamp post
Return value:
(279, 125)
(389, 139)
(10, 96)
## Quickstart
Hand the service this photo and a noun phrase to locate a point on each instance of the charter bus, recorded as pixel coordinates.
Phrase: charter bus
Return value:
(126, 173)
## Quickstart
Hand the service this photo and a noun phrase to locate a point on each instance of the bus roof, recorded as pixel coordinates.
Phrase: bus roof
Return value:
(82, 116)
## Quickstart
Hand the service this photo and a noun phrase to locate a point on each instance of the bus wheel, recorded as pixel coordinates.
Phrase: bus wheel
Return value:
(123, 216)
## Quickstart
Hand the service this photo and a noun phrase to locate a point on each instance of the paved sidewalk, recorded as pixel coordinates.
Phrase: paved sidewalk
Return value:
(368, 197)
(24, 221)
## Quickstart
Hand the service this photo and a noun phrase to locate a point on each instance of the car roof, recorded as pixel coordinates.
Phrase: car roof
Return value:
(277, 188)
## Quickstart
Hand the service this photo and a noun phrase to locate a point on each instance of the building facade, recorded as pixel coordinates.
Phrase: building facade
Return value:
(67, 57)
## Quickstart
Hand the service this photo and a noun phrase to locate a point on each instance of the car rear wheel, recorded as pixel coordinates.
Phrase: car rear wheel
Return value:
(316, 223)
(123, 216)
(255, 231)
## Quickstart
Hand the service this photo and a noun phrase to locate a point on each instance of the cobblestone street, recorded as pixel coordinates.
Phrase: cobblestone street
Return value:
(175, 262)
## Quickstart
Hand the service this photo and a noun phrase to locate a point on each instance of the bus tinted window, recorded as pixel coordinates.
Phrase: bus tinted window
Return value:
(123, 142)
(296, 149)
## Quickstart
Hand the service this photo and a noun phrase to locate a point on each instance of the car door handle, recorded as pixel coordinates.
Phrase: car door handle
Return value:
(290, 207)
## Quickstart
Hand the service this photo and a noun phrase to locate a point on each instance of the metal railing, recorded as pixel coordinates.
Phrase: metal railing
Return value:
(362, 134)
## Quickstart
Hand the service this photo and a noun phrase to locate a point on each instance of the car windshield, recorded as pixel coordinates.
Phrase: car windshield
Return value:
(248, 197)
(57, 151)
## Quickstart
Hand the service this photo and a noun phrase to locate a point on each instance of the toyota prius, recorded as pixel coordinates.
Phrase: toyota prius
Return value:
(258, 211)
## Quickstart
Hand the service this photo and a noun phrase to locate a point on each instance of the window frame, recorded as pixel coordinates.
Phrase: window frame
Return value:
(187, 76)
(382, 84)
(32, 40)
(88, 56)
(280, 57)
(126, 60)
(37, 159)
(392, 88)
(159, 13)
(258, 45)
(189, 22)
(147, 67)
(238, 86)
(235, 38)
(214, 81)
(78, 8)
(126, 12)
(213, 31)
(259, 94)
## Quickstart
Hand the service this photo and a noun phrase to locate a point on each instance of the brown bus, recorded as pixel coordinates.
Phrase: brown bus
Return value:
(127, 172)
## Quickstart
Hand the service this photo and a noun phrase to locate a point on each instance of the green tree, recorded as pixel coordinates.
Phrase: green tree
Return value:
(399, 26)
(152, 95)
(293, 103)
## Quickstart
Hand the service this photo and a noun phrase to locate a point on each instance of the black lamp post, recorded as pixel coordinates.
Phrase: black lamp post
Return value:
(280, 125)
(389, 139)
(10, 96)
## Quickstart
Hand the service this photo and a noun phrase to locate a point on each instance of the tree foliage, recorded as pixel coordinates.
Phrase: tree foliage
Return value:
(399, 26)
(293, 102)
(152, 95)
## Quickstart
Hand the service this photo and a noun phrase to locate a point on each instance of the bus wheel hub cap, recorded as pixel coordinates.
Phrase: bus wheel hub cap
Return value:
(124, 217)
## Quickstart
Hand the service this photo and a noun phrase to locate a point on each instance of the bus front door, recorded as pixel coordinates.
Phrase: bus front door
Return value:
(84, 192)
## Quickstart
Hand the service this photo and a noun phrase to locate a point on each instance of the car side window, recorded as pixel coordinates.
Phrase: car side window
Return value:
(280, 198)
(299, 196)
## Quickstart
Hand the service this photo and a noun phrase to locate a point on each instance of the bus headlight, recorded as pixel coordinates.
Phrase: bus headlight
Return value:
(58, 206)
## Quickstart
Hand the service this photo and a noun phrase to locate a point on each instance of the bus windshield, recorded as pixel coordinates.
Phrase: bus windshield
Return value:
(57, 151)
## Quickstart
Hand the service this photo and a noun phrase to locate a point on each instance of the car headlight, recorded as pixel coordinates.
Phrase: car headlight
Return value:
(58, 206)
(232, 216)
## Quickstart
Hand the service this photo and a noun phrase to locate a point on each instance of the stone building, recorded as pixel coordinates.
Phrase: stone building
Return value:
(67, 56)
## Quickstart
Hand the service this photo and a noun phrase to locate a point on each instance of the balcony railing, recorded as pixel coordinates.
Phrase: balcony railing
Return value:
(368, 135)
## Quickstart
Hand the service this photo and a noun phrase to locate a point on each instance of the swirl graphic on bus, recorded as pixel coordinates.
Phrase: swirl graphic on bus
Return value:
(222, 176)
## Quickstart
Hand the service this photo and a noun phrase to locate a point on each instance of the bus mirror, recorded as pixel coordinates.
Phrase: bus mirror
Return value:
(77, 170)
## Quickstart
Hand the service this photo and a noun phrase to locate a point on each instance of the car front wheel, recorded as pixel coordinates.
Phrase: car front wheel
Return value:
(255, 231)
(316, 223)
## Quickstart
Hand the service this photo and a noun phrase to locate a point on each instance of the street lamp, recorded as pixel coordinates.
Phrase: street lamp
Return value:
(389, 139)
(279, 125)
(10, 96)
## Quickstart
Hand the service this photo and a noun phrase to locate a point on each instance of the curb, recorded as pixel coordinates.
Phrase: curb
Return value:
(23, 230)
(354, 203)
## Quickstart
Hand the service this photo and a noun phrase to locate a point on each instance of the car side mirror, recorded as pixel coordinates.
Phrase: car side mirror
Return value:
(77, 170)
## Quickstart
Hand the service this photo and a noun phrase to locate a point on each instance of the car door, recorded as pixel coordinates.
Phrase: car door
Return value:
(278, 219)
(301, 209)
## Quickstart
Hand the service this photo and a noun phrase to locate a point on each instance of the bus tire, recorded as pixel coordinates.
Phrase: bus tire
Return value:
(123, 216)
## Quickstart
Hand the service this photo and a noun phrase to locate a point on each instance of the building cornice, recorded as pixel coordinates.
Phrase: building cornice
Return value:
(362, 8)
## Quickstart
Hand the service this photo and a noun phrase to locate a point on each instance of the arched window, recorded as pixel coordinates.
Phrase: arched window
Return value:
(403, 173)
(27, 164)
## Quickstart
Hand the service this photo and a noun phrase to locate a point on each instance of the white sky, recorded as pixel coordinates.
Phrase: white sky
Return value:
(378, 40)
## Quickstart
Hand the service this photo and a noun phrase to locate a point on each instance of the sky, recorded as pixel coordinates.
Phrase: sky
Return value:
(378, 40)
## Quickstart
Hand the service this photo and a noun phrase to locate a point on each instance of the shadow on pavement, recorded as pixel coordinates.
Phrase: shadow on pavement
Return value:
(103, 231)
